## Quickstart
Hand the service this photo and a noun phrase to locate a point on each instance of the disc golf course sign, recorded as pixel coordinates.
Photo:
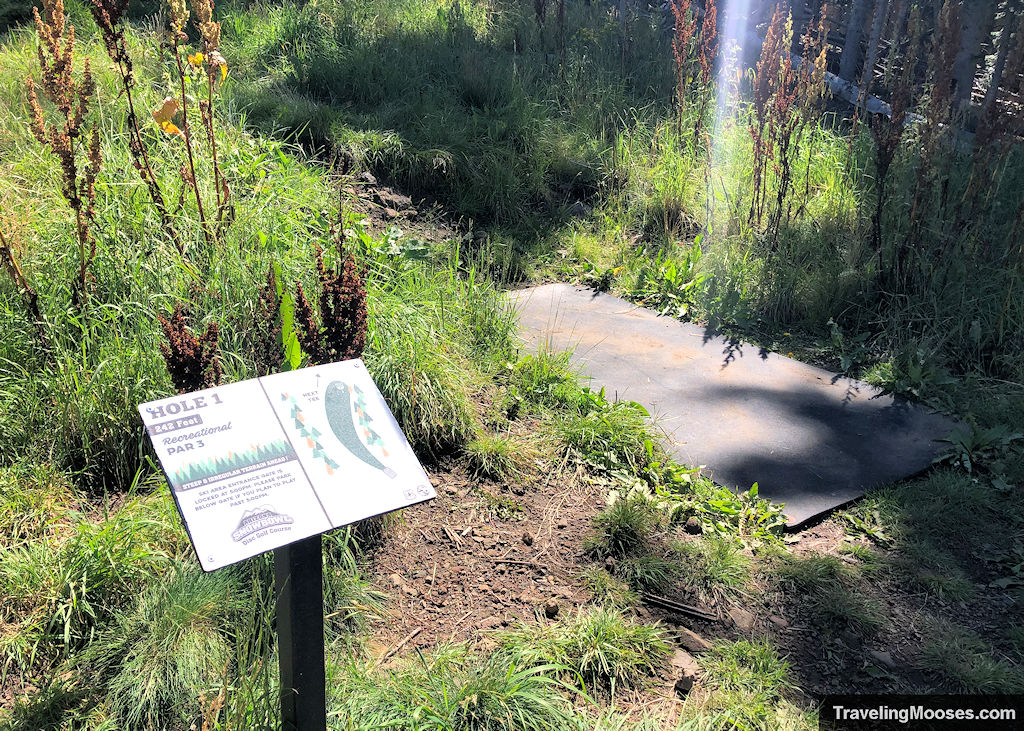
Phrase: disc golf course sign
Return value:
(264, 464)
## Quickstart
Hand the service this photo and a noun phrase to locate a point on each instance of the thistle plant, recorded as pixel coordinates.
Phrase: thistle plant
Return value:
(338, 332)
(109, 15)
(80, 161)
(193, 362)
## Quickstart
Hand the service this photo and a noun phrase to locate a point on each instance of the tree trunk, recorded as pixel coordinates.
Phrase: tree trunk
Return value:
(881, 11)
(852, 54)
(992, 93)
(976, 18)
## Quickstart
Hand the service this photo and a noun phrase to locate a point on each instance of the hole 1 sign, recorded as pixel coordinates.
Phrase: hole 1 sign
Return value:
(273, 462)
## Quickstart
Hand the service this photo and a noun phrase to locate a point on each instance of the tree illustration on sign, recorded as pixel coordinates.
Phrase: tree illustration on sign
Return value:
(310, 434)
(343, 413)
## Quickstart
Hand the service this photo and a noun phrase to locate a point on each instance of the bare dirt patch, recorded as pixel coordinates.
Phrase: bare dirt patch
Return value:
(482, 556)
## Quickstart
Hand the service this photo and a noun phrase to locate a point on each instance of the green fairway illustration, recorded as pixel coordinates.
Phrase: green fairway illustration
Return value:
(342, 414)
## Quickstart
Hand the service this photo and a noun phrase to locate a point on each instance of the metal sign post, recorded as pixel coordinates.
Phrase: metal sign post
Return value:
(267, 465)
(298, 580)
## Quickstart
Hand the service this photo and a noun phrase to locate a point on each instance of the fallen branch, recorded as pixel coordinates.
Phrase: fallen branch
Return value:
(397, 648)
(674, 606)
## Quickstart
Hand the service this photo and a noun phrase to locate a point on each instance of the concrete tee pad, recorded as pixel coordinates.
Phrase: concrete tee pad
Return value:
(811, 439)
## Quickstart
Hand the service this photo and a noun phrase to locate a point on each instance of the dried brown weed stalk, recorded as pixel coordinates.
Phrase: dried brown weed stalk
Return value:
(29, 297)
(685, 27)
(888, 131)
(109, 15)
(339, 332)
(707, 49)
(80, 161)
(193, 362)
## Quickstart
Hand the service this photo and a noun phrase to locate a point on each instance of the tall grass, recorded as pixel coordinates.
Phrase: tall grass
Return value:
(111, 600)
(452, 690)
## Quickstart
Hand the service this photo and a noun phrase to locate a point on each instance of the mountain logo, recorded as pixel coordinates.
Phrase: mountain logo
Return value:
(257, 519)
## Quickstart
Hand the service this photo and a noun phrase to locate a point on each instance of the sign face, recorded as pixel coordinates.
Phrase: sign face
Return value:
(263, 463)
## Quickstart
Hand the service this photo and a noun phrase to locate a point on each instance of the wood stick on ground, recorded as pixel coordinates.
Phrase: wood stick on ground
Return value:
(674, 606)
(397, 648)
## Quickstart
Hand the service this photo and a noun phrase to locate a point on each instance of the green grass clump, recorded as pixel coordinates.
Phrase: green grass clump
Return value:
(452, 690)
(59, 592)
(968, 664)
(744, 686)
(713, 567)
(830, 592)
(599, 648)
(609, 436)
(35, 501)
(649, 572)
(156, 659)
(546, 379)
(608, 590)
(494, 456)
(625, 528)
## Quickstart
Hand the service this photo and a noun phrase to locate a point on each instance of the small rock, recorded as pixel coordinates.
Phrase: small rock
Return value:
(391, 213)
(396, 581)
(489, 622)
(692, 526)
(531, 596)
(551, 608)
(882, 658)
(743, 619)
(367, 177)
(683, 686)
(851, 639)
(778, 621)
(685, 662)
(410, 590)
(527, 539)
(391, 199)
(692, 641)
